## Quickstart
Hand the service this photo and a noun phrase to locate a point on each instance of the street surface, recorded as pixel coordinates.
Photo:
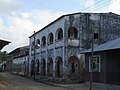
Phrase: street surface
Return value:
(10, 81)
(15, 82)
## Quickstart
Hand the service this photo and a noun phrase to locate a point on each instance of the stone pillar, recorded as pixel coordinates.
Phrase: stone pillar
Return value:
(54, 56)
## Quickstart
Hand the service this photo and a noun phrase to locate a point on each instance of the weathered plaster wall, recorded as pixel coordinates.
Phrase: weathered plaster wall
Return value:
(107, 25)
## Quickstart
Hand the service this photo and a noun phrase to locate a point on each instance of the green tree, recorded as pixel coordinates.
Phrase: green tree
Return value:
(3, 56)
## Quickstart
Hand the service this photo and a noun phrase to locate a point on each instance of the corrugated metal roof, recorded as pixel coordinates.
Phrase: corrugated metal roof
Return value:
(114, 44)
(3, 43)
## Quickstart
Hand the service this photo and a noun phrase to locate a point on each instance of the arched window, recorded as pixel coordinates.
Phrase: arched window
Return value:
(37, 68)
(72, 32)
(43, 41)
(38, 44)
(32, 45)
(50, 66)
(59, 67)
(43, 67)
(50, 38)
(59, 34)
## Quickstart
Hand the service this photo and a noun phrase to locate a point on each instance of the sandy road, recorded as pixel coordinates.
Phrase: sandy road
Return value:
(14, 82)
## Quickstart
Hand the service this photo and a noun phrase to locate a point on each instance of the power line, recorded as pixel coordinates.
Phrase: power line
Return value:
(92, 5)
(101, 5)
(98, 5)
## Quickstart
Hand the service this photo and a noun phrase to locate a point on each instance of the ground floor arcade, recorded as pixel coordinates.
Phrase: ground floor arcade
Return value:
(58, 68)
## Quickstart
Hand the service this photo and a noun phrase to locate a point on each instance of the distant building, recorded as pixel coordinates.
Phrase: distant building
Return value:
(3, 63)
(17, 61)
(58, 58)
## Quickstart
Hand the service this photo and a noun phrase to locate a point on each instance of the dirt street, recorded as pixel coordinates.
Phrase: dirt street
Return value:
(14, 82)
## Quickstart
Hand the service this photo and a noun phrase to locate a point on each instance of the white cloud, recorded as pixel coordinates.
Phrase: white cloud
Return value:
(43, 17)
(90, 3)
(1, 23)
(8, 6)
(114, 6)
(21, 25)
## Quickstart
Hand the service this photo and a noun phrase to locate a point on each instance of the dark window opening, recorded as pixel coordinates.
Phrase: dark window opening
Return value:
(38, 44)
(95, 35)
(33, 45)
(38, 67)
(44, 41)
(72, 68)
(60, 34)
(72, 32)
(50, 38)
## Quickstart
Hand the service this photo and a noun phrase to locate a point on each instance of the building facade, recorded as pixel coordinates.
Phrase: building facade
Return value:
(18, 61)
(54, 51)
(105, 65)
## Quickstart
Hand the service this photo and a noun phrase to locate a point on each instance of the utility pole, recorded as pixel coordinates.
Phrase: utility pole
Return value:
(94, 18)
(91, 59)
(34, 59)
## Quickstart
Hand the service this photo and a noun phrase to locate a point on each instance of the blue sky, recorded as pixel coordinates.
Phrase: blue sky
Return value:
(19, 18)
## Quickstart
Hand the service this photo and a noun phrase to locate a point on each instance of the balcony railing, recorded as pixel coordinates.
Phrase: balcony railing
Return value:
(73, 42)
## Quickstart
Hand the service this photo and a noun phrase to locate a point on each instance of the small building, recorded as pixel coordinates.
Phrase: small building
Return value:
(18, 60)
(106, 63)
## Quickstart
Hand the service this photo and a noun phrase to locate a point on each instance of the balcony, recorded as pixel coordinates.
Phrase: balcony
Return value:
(73, 42)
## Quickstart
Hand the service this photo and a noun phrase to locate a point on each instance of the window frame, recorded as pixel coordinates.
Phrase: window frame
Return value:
(97, 63)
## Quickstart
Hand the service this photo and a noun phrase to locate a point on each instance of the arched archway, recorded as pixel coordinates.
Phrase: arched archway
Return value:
(59, 34)
(37, 67)
(59, 67)
(43, 41)
(72, 32)
(50, 67)
(50, 38)
(32, 45)
(73, 65)
(43, 67)
(32, 68)
(38, 43)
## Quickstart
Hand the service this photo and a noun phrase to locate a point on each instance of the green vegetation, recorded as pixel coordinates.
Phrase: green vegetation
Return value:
(3, 56)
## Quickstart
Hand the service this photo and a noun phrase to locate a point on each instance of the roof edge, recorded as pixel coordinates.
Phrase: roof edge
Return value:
(68, 15)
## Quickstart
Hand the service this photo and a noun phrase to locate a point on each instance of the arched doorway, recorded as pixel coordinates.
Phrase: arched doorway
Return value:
(73, 68)
(73, 65)
(59, 67)
(37, 67)
(32, 68)
(50, 67)
(43, 67)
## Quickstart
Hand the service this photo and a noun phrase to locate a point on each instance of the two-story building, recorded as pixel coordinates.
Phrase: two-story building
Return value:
(18, 60)
(55, 49)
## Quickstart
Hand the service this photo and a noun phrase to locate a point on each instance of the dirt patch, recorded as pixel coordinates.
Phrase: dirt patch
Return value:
(4, 83)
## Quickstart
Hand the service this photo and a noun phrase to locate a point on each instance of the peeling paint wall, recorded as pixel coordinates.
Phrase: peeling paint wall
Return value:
(105, 25)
